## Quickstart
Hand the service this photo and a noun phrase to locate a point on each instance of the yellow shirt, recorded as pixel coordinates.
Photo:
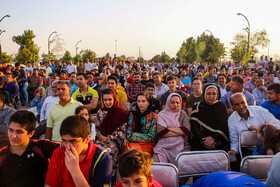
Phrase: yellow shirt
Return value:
(121, 96)
(57, 114)
(119, 87)
(85, 98)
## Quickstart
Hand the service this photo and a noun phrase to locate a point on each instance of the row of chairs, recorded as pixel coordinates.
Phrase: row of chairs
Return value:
(200, 163)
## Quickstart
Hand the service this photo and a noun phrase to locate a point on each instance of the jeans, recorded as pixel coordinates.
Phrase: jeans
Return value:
(23, 92)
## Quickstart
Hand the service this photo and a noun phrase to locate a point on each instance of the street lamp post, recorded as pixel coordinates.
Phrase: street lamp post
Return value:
(1, 57)
(77, 47)
(116, 47)
(248, 30)
(1, 31)
(5, 17)
(49, 42)
(209, 32)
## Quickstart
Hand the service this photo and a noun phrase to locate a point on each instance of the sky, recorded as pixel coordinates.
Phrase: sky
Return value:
(153, 25)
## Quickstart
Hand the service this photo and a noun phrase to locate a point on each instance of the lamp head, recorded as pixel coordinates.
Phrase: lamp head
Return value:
(238, 13)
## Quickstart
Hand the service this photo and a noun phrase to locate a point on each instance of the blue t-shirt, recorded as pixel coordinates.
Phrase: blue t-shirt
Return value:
(272, 108)
(260, 150)
(186, 80)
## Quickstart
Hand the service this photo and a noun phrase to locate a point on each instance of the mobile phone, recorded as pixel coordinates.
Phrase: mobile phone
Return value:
(232, 157)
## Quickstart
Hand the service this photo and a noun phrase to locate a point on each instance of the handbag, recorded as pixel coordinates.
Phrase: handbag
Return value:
(143, 146)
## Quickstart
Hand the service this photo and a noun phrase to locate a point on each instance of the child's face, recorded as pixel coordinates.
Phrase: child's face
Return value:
(137, 180)
(84, 113)
(79, 144)
(260, 137)
(18, 136)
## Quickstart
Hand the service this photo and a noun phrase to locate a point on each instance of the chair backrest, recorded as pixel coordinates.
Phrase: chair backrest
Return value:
(256, 166)
(199, 163)
(247, 139)
(166, 174)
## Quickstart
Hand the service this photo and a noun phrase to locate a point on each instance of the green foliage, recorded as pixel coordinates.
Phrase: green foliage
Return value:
(165, 57)
(205, 48)
(140, 59)
(156, 58)
(7, 58)
(48, 57)
(209, 48)
(28, 50)
(88, 54)
(66, 57)
(239, 51)
(161, 58)
(122, 57)
(78, 58)
(187, 51)
(107, 56)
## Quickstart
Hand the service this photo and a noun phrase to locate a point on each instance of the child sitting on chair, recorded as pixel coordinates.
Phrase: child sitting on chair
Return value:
(135, 170)
(268, 139)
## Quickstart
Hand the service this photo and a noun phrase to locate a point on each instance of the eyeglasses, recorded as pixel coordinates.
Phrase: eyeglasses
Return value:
(65, 142)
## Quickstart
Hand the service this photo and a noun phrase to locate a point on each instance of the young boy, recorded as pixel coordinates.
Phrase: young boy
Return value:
(24, 162)
(78, 162)
(135, 170)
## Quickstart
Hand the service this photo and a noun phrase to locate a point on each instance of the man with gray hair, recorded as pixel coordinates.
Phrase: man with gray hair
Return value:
(244, 117)
(49, 102)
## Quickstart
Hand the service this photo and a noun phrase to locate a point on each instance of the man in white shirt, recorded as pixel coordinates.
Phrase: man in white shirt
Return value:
(71, 67)
(49, 101)
(94, 65)
(244, 117)
(88, 65)
(160, 88)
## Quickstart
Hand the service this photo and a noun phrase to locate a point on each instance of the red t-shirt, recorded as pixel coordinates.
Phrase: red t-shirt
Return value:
(58, 174)
(155, 184)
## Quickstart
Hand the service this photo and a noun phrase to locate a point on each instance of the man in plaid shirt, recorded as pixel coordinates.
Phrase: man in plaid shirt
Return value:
(134, 89)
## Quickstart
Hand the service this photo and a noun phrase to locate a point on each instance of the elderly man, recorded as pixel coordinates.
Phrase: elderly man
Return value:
(244, 117)
(49, 101)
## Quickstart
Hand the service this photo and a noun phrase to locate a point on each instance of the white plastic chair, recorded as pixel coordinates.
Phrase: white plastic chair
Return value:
(200, 163)
(256, 166)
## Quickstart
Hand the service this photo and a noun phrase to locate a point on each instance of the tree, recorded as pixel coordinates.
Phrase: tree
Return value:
(7, 58)
(78, 58)
(66, 57)
(107, 56)
(28, 50)
(209, 48)
(140, 59)
(239, 51)
(161, 58)
(187, 51)
(58, 47)
(48, 57)
(156, 58)
(164, 57)
(122, 57)
(88, 54)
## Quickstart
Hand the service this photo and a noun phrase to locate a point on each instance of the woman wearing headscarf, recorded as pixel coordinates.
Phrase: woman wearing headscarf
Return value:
(111, 124)
(209, 127)
(141, 126)
(173, 130)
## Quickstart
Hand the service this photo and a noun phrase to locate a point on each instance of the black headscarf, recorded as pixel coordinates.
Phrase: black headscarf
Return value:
(137, 116)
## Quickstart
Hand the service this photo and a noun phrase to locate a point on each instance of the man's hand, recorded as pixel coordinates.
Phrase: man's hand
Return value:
(71, 159)
(209, 142)
(253, 128)
(232, 152)
(43, 122)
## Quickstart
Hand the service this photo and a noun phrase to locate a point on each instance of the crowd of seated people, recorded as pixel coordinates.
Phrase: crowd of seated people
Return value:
(87, 115)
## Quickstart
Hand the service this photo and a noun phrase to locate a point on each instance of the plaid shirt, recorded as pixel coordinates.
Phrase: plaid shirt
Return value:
(132, 91)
